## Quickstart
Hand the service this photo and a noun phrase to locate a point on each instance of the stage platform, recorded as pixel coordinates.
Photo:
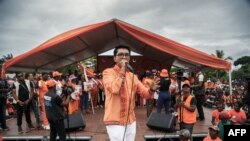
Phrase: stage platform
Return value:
(95, 128)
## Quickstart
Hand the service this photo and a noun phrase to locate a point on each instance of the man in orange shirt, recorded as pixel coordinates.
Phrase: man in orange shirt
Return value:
(238, 116)
(120, 87)
(215, 114)
(213, 134)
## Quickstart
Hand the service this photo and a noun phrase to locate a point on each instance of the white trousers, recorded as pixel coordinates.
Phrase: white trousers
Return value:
(116, 132)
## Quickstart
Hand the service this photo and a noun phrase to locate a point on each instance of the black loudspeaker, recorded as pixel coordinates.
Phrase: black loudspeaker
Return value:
(164, 122)
(76, 122)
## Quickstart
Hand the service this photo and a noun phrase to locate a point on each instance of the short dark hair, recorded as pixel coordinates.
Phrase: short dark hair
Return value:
(19, 74)
(119, 47)
(239, 104)
(45, 73)
(26, 75)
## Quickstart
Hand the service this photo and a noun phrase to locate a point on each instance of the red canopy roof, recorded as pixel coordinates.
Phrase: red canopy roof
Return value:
(84, 42)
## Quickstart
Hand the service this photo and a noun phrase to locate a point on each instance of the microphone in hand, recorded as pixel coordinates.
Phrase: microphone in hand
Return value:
(129, 67)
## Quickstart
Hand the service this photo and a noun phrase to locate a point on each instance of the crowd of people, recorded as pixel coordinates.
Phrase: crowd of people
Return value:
(119, 90)
(27, 92)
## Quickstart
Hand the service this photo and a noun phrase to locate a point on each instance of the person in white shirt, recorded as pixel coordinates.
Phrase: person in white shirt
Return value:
(199, 93)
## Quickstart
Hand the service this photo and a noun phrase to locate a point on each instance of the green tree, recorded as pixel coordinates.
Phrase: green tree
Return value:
(90, 63)
(243, 70)
(220, 54)
(242, 61)
(4, 59)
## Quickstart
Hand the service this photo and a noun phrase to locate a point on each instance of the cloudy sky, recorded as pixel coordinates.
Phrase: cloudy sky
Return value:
(206, 25)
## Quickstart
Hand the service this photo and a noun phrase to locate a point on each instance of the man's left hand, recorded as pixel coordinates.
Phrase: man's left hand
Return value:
(26, 102)
(155, 84)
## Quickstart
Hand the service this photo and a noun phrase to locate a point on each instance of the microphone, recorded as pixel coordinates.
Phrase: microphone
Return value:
(129, 67)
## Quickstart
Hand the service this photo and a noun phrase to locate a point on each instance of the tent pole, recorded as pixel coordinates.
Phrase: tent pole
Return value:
(230, 82)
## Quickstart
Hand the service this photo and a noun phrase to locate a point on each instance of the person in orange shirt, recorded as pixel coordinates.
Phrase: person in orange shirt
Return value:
(120, 87)
(215, 114)
(224, 117)
(42, 90)
(238, 116)
(213, 134)
(227, 100)
(59, 84)
(75, 95)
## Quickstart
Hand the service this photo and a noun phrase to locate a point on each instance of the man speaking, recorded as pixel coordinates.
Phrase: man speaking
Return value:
(120, 86)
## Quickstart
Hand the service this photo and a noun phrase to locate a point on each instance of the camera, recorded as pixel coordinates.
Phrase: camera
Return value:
(179, 100)
(154, 72)
(179, 74)
(67, 90)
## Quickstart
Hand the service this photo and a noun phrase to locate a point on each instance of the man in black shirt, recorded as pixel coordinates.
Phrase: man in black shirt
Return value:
(23, 94)
(34, 102)
(54, 111)
(4, 89)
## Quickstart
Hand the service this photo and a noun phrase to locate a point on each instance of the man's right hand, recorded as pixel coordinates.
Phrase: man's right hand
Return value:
(123, 63)
(20, 103)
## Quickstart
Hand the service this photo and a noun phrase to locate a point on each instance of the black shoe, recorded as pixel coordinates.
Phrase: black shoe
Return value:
(201, 119)
(38, 126)
(31, 126)
(20, 130)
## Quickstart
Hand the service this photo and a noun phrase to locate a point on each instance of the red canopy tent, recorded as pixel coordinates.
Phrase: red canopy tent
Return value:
(84, 42)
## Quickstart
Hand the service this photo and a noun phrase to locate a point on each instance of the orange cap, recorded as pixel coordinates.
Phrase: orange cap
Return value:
(164, 73)
(50, 83)
(56, 73)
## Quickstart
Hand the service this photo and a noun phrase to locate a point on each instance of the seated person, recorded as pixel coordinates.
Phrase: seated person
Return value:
(216, 112)
(213, 134)
(184, 135)
(238, 116)
(224, 117)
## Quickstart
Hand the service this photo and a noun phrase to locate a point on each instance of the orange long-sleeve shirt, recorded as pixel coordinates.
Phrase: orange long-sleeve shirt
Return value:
(118, 92)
